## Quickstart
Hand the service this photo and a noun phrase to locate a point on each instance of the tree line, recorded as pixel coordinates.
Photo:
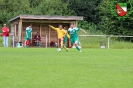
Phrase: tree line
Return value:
(96, 13)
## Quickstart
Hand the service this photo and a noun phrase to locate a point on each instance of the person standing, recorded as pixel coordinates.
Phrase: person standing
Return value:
(74, 36)
(5, 34)
(28, 34)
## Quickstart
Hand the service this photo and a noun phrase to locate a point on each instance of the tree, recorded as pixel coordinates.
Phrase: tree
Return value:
(12, 8)
(110, 24)
(87, 8)
(52, 7)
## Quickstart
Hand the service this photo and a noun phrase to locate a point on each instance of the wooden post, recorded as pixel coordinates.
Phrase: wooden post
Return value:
(76, 23)
(22, 34)
(20, 30)
(49, 37)
(31, 37)
(13, 40)
(108, 41)
(40, 29)
(46, 41)
(12, 32)
(15, 30)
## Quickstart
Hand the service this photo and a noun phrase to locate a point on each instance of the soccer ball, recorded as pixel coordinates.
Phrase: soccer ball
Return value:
(59, 49)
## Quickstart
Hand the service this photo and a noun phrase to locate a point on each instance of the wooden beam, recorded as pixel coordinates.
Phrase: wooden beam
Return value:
(19, 30)
(44, 17)
(52, 17)
(49, 21)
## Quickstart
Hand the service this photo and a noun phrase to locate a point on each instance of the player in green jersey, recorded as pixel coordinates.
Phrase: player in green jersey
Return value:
(74, 36)
(65, 38)
(28, 33)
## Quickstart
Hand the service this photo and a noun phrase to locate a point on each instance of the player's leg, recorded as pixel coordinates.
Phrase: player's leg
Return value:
(61, 42)
(25, 43)
(65, 43)
(77, 47)
(72, 41)
(25, 39)
(79, 44)
(76, 44)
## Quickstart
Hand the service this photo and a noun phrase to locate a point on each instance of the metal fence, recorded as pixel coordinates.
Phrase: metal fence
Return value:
(12, 37)
(108, 36)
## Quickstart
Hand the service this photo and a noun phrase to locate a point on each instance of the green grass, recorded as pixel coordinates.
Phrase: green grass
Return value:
(47, 68)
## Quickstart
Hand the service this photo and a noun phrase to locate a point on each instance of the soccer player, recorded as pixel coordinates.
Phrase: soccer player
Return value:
(28, 33)
(74, 36)
(65, 38)
(60, 32)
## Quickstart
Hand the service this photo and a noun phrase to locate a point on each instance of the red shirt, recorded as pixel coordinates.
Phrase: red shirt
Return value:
(5, 31)
(37, 37)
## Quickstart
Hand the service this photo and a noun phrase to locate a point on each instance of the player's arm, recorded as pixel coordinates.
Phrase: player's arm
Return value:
(26, 32)
(66, 33)
(68, 36)
(52, 27)
(31, 29)
(3, 30)
(83, 31)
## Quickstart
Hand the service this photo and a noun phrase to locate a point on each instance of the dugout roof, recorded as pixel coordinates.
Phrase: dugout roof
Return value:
(44, 17)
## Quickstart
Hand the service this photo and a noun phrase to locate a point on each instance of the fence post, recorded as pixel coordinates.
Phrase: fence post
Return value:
(108, 41)
(46, 41)
(13, 40)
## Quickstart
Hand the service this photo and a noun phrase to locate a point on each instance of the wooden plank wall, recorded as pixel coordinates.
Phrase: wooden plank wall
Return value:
(43, 30)
(43, 33)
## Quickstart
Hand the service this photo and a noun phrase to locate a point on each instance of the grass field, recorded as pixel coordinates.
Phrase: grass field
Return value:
(47, 68)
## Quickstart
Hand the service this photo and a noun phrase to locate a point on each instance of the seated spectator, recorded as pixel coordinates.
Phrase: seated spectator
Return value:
(37, 39)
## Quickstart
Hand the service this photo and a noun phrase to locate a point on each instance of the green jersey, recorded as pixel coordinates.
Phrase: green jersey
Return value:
(28, 33)
(73, 34)
(73, 31)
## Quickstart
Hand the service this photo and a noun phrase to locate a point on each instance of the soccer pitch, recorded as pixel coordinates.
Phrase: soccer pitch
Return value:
(47, 68)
